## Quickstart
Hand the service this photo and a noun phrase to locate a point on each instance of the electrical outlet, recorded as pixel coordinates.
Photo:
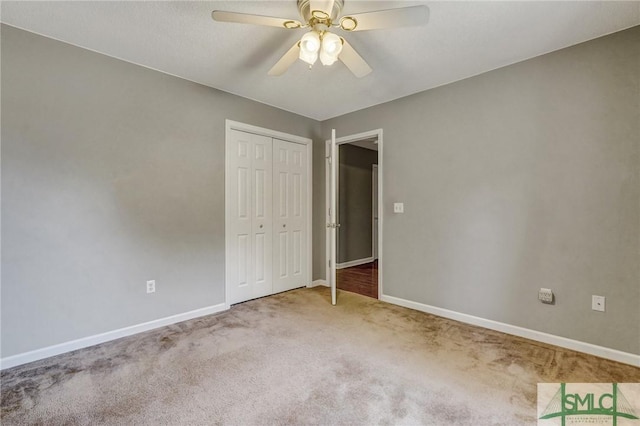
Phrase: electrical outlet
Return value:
(398, 207)
(597, 303)
(151, 286)
(545, 295)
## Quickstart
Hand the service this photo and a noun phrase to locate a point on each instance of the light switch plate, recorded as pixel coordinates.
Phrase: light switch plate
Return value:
(398, 207)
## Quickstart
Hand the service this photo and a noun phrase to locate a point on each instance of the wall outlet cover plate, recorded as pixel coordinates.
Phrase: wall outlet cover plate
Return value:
(597, 303)
(545, 295)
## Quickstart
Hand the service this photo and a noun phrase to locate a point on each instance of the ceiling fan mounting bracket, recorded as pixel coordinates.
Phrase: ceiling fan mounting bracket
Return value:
(348, 23)
(292, 25)
(320, 25)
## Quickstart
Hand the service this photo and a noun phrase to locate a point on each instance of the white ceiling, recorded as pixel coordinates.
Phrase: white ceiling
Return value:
(462, 39)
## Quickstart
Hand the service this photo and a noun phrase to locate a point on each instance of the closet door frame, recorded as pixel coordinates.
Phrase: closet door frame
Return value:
(248, 128)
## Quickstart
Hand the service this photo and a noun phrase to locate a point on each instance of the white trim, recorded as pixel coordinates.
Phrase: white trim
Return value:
(248, 128)
(551, 339)
(316, 283)
(348, 139)
(356, 262)
(49, 351)
(327, 211)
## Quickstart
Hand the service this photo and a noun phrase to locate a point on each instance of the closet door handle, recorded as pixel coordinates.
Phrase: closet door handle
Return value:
(260, 226)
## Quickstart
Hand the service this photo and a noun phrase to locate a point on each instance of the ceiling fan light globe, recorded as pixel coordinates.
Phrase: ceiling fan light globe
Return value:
(327, 59)
(308, 57)
(331, 44)
(310, 42)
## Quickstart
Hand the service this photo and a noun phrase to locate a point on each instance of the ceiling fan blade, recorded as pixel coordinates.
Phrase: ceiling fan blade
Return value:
(392, 18)
(353, 60)
(245, 18)
(286, 61)
(325, 6)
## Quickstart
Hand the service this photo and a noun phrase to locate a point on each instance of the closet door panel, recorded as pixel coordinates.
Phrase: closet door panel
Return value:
(262, 226)
(250, 219)
(290, 222)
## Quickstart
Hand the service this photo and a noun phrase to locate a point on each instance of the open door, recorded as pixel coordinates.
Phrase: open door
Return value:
(331, 203)
(333, 225)
(374, 212)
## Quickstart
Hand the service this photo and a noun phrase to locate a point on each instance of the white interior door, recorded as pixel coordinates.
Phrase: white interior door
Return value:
(333, 219)
(250, 216)
(374, 210)
(331, 175)
(290, 213)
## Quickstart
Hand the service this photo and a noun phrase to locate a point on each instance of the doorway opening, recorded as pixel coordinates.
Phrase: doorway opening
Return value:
(359, 231)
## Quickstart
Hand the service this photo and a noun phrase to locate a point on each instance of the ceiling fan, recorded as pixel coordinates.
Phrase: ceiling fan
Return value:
(321, 16)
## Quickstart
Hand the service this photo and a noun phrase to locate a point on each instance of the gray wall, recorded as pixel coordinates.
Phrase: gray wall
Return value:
(355, 202)
(112, 174)
(520, 178)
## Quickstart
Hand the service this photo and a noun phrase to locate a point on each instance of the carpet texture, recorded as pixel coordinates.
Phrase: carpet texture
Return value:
(293, 358)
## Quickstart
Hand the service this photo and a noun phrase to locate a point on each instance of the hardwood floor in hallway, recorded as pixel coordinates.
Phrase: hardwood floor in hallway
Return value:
(361, 279)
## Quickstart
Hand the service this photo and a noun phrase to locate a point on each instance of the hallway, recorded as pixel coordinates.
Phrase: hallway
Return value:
(361, 279)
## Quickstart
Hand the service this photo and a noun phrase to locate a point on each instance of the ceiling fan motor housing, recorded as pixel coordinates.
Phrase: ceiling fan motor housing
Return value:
(304, 7)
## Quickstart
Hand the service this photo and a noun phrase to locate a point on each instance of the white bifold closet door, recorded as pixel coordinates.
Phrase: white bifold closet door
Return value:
(290, 213)
(266, 227)
(251, 224)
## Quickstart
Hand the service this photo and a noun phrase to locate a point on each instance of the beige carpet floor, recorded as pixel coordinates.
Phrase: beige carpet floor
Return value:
(292, 358)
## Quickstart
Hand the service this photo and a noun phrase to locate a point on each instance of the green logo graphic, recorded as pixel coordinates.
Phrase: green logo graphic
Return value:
(613, 404)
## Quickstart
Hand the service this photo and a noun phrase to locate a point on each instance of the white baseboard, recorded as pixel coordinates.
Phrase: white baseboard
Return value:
(356, 262)
(318, 282)
(576, 345)
(35, 355)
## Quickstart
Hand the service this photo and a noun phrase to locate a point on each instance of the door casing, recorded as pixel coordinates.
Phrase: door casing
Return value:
(378, 134)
